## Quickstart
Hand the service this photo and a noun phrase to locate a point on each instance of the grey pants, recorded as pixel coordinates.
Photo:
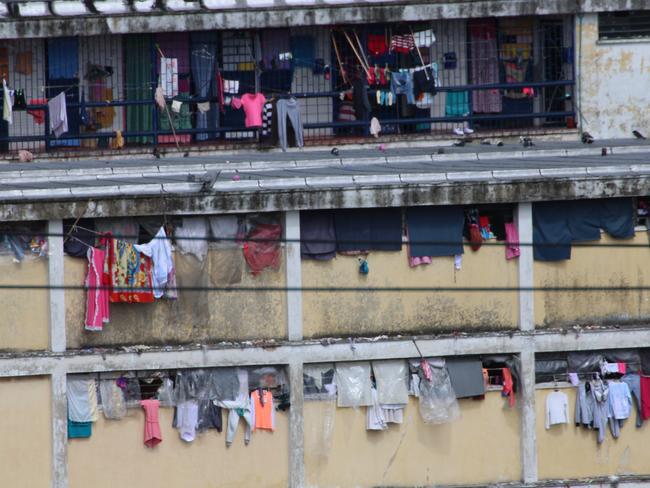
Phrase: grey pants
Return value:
(233, 422)
(289, 108)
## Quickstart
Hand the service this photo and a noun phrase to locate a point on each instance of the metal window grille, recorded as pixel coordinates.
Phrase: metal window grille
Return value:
(624, 25)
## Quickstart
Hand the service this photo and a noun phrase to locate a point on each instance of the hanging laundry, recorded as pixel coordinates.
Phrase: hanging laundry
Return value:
(262, 249)
(436, 396)
(401, 83)
(159, 249)
(128, 272)
(79, 430)
(81, 408)
(267, 119)
(466, 377)
(192, 236)
(58, 114)
(512, 241)
(84, 117)
(402, 44)
(645, 397)
(375, 414)
(152, 434)
(484, 65)
(508, 389)
(374, 229)
(253, 105)
(585, 404)
(377, 45)
(557, 409)
(209, 416)
(7, 104)
(97, 295)
(263, 410)
(551, 233)
(435, 231)
(600, 394)
(187, 417)
(289, 108)
(113, 401)
(159, 97)
(375, 127)
(391, 380)
(633, 381)
(169, 76)
(353, 384)
(176, 106)
(231, 86)
(38, 115)
(238, 408)
(225, 231)
(424, 38)
(19, 100)
(317, 235)
(620, 405)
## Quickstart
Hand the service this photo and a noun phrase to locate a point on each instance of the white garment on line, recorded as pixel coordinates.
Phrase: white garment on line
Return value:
(169, 76)
(557, 409)
(176, 106)
(160, 251)
(187, 418)
(58, 114)
(196, 228)
(80, 408)
(203, 107)
(7, 103)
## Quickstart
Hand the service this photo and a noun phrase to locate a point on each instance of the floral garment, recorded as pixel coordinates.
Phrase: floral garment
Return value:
(128, 273)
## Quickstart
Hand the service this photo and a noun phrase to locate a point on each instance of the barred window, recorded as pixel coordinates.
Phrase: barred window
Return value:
(624, 25)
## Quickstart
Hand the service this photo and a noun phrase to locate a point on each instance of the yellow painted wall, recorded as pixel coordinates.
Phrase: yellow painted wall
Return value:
(24, 321)
(26, 426)
(195, 316)
(482, 446)
(567, 451)
(352, 313)
(115, 456)
(595, 266)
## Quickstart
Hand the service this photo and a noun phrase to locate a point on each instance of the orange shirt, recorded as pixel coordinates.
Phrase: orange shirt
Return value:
(264, 411)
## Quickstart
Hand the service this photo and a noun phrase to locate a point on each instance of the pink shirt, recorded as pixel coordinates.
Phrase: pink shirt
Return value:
(253, 105)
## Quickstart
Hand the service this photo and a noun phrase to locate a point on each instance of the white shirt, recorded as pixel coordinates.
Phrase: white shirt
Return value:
(557, 409)
(620, 400)
(187, 417)
(160, 251)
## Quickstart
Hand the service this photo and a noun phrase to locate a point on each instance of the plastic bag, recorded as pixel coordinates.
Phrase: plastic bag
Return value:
(223, 384)
(353, 384)
(438, 404)
(266, 377)
(191, 384)
(319, 430)
(165, 393)
(318, 382)
(391, 379)
(113, 401)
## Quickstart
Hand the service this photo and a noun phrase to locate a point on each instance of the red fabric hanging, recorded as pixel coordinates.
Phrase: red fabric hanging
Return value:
(265, 252)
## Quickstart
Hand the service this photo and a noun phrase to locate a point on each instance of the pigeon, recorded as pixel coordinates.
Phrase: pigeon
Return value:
(637, 134)
(587, 138)
(156, 152)
(335, 151)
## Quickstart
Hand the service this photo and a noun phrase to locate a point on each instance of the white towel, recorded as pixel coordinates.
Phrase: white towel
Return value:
(58, 114)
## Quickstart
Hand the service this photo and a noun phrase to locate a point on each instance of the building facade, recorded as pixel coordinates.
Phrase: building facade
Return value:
(303, 270)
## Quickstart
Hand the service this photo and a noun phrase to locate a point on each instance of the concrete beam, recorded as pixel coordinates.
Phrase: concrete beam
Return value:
(55, 281)
(323, 351)
(296, 427)
(457, 193)
(528, 415)
(281, 15)
(59, 427)
(525, 263)
(293, 275)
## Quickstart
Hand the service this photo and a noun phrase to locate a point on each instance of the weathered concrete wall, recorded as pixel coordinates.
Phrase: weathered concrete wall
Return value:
(196, 316)
(611, 76)
(376, 313)
(567, 451)
(597, 266)
(116, 456)
(25, 423)
(482, 446)
(24, 321)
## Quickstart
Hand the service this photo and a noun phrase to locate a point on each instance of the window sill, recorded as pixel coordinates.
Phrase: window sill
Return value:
(635, 40)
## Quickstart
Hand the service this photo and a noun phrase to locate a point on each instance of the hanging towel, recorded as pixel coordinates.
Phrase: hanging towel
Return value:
(58, 115)
(374, 229)
(512, 241)
(584, 219)
(317, 235)
(169, 76)
(80, 408)
(551, 233)
(7, 104)
(97, 309)
(435, 231)
(129, 273)
(79, 430)
(617, 217)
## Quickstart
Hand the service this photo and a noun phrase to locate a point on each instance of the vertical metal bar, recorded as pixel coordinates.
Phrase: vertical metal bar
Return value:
(152, 88)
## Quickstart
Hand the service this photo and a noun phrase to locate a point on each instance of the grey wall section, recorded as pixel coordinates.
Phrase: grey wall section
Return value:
(283, 16)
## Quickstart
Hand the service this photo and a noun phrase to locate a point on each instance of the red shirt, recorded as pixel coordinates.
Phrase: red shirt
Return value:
(253, 105)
